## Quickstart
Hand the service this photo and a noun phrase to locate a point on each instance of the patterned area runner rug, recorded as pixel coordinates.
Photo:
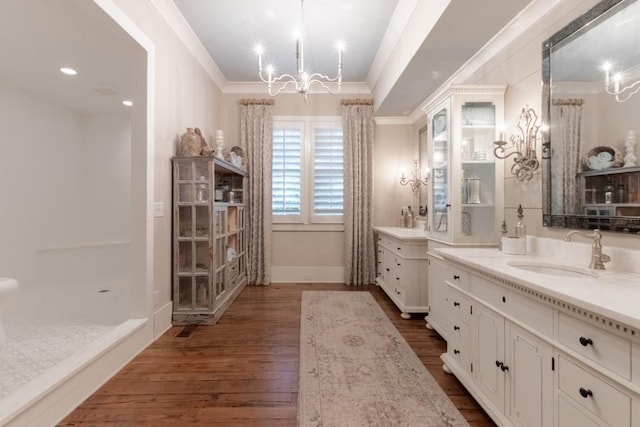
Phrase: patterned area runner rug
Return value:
(357, 370)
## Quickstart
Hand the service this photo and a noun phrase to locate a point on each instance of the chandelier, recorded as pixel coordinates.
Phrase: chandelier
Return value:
(303, 80)
(627, 91)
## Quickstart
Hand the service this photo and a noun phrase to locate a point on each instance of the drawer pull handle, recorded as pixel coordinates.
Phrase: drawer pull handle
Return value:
(456, 277)
(456, 328)
(585, 392)
(586, 341)
(399, 249)
(388, 269)
(456, 351)
(456, 304)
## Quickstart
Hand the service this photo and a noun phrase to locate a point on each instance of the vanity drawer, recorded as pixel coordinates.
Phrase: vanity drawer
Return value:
(459, 306)
(458, 277)
(458, 349)
(609, 351)
(413, 249)
(569, 415)
(593, 394)
(535, 315)
(458, 330)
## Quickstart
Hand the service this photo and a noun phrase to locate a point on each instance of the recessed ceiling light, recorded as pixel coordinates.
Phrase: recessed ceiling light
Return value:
(68, 71)
(127, 103)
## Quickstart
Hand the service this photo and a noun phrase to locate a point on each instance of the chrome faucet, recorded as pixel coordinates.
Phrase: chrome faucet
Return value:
(597, 257)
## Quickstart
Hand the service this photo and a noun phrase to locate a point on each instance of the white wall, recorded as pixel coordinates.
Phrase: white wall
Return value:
(395, 149)
(64, 180)
(185, 96)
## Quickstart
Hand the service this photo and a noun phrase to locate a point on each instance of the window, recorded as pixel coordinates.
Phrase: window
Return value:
(308, 170)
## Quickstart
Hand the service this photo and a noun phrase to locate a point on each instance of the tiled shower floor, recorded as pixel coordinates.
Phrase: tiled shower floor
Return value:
(34, 348)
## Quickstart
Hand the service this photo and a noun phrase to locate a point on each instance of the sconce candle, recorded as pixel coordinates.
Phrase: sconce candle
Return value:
(416, 180)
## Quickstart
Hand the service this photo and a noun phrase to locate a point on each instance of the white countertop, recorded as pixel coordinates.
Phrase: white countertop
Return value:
(403, 233)
(614, 294)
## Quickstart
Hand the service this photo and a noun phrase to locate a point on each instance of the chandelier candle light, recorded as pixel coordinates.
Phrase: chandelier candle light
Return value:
(416, 180)
(628, 91)
(303, 80)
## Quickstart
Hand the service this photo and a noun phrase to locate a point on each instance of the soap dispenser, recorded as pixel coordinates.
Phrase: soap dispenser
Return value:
(521, 229)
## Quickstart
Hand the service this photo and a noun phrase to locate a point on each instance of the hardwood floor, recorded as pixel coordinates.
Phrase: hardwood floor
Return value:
(243, 371)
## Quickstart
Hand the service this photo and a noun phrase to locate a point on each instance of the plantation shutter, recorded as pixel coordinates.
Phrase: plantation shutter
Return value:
(328, 171)
(286, 172)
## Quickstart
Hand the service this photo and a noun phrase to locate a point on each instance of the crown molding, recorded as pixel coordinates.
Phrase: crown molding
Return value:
(260, 88)
(393, 120)
(172, 16)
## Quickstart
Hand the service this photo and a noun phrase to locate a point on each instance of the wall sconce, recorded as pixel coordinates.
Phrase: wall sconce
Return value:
(630, 90)
(416, 180)
(524, 143)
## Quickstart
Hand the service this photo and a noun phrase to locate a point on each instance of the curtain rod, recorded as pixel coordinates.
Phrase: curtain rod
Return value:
(568, 101)
(256, 101)
(356, 101)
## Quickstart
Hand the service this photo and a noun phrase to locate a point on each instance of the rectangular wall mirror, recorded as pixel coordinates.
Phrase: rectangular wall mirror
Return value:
(591, 104)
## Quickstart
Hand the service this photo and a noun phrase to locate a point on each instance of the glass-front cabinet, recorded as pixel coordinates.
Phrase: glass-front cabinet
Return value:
(465, 187)
(209, 239)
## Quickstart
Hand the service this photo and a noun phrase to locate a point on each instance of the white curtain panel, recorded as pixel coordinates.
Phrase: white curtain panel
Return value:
(358, 126)
(256, 139)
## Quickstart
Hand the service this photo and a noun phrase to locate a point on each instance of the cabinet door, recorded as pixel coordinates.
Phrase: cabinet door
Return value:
(530, 389)
(490, 369)
(437, 318)
(438, 144)
(380, 264)
(474, 205)
(396, 279)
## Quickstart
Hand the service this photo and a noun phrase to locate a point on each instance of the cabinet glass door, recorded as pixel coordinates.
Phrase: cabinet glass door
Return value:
(478, 131)
(439, 147)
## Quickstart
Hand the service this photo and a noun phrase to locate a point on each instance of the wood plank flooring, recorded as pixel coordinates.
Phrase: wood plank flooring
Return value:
(243, 371)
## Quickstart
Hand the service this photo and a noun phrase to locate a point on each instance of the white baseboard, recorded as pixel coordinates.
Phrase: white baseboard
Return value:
(312, 274)
(162, 320)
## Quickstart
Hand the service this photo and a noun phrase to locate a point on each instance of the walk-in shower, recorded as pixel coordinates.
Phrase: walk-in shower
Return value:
(74, 196)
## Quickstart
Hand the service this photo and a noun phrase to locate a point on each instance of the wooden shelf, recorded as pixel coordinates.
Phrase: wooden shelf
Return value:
(610, 171)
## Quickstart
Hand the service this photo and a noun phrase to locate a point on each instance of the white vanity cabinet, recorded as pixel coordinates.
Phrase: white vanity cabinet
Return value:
(531, 359)
(438, 294)
(402, 268)
(509, 367)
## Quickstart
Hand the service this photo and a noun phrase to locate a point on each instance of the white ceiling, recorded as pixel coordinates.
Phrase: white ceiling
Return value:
(229, 30)
(37, 37)
(433, 44)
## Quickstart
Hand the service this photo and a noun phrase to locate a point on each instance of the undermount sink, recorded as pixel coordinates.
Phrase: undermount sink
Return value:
(553, 269)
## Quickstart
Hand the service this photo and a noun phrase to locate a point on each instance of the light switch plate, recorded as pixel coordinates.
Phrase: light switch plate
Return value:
(158, 209)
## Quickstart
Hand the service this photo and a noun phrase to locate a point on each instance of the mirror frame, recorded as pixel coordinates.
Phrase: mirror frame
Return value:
(549, 220)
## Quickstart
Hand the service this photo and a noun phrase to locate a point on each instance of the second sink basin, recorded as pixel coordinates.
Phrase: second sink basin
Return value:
(553, 269)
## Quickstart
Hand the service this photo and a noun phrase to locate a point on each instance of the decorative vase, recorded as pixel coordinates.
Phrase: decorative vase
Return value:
(190, 144)
(630, 146)
(203, 143)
